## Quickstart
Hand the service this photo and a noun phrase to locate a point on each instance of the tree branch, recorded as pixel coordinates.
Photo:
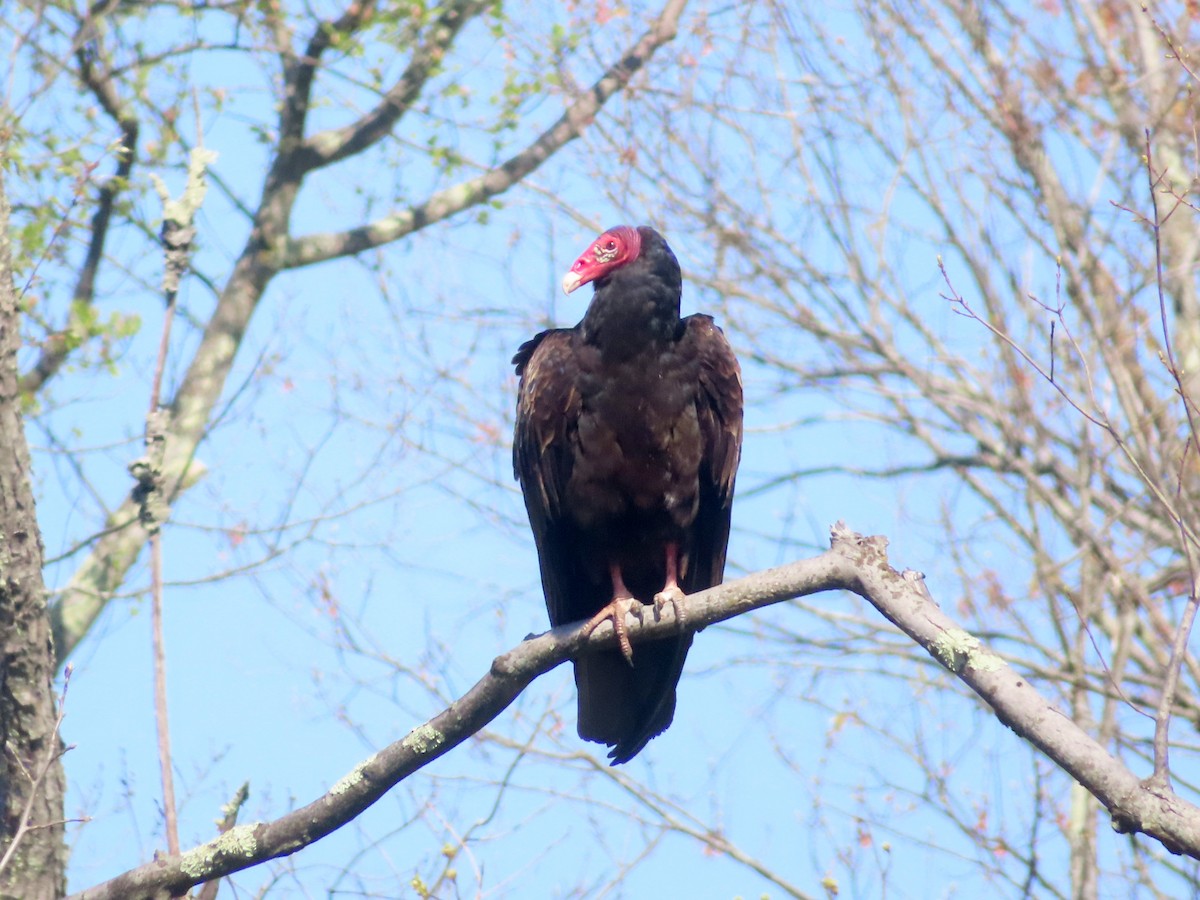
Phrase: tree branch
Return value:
(116, 550)
(300, 72)
(59, 345)
(327, 147)
(330, 245)
(853, 563)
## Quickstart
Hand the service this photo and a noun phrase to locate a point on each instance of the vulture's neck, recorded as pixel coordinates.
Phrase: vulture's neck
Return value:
(632, 313)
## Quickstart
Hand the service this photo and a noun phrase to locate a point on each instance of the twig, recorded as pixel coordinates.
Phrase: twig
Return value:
(226, 822)
(162, 723)
(960, 305)
(178, 232)
(1177, 53)
(963, 308)
(1162, 718)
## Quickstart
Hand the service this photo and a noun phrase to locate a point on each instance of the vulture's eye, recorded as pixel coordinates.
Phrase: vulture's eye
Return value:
(606, 251)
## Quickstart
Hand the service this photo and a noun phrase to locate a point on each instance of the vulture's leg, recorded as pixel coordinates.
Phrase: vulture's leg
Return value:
(671, 592)
(623, 602)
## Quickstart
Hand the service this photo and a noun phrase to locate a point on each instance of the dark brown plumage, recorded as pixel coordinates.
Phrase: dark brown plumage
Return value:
(628, 434)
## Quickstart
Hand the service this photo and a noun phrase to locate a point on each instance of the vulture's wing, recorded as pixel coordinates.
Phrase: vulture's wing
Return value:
(544, 444)
(719, 411)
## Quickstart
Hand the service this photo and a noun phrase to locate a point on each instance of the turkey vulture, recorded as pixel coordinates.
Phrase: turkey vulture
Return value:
(628, 434)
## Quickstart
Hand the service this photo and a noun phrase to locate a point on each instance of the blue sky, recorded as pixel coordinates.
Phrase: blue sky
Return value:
(365, 430)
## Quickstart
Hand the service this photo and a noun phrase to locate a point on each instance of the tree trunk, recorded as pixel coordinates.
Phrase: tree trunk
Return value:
(32, 851)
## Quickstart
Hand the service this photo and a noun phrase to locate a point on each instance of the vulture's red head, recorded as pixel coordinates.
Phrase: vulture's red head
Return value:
(615, 248)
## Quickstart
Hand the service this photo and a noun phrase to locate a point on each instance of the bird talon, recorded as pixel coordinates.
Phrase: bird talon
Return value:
(674, 596)
(615, 612)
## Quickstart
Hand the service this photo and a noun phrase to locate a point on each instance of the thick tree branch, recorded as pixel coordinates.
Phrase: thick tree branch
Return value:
(853, 563)
(327, 147)
(320, 247)
(300, 72)
(93, 584)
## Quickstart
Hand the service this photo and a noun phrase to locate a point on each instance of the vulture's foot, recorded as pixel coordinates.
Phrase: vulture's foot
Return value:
(615, 612)
(671, 595)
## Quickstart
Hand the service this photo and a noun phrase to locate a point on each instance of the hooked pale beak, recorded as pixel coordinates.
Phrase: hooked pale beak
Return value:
(571, 281)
